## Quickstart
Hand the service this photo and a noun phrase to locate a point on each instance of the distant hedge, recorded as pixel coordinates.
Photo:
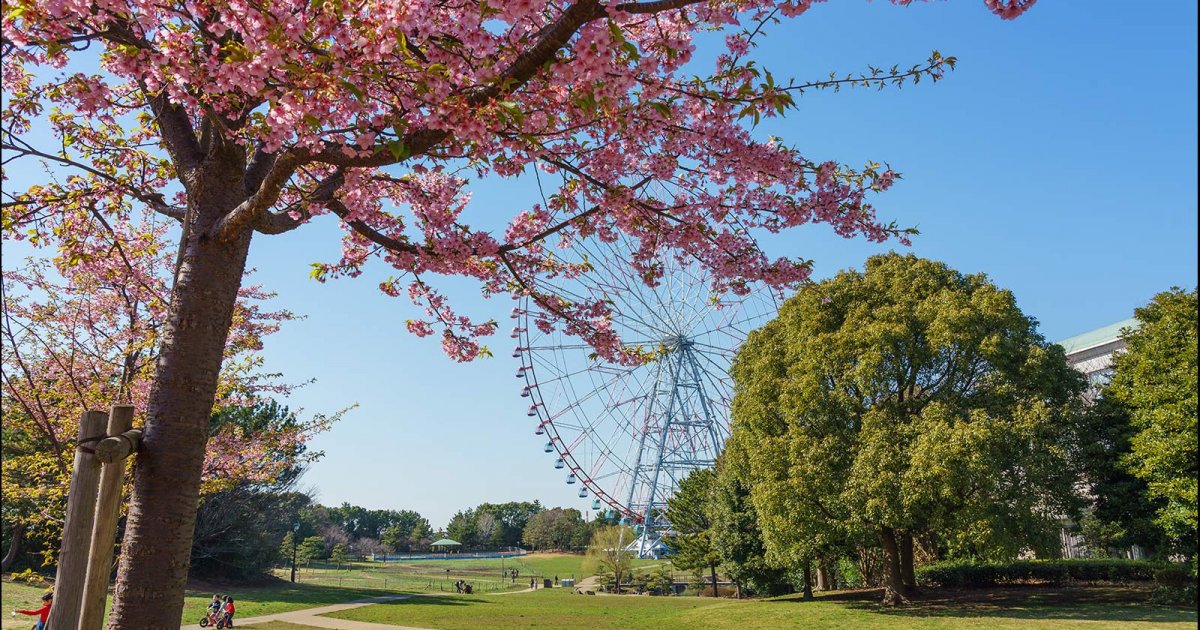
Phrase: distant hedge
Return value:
(959, 574)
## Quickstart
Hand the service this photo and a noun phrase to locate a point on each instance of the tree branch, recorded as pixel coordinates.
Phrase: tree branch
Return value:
(249, 211)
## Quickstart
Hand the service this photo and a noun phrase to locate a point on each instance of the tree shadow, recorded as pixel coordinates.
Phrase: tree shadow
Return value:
(1092, 603)
(438, 600)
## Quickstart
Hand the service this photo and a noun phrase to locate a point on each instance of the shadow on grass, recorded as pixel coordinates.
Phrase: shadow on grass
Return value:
(437, 600)
(1093, 603)
(288, 592)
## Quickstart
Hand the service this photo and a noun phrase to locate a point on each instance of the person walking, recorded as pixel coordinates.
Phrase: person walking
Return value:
(532, 584)
(42, 613)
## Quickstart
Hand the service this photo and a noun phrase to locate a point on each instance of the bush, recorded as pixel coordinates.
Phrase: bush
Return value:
(661, 582)
(972, 574)
(29, 576)
(1174, 586)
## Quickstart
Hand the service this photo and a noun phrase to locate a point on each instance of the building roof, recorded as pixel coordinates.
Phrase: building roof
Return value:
(445, 542)
(1097, 337)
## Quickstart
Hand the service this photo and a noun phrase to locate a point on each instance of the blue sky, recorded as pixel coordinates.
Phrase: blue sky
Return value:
(1060, 159)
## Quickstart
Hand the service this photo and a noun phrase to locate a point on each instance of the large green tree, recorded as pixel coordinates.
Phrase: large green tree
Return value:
(1155, 380)
(911, 400)
(736, 536)
(1121, 512)
(690, 513)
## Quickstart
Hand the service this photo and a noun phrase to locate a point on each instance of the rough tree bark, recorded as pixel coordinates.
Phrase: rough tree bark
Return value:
(807, 577)
(895, 591)
(713, 570)
(166, 482)
(14, 546)
(907, 575)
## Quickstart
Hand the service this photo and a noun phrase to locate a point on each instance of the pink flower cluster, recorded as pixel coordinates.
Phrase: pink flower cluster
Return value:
(406, 103)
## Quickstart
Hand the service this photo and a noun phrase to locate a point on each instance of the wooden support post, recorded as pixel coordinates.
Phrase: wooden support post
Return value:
(104, 529)
(117, 447)
(77, 528)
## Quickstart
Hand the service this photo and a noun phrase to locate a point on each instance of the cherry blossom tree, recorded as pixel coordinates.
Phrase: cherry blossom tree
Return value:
(247, 117)
(86, 338)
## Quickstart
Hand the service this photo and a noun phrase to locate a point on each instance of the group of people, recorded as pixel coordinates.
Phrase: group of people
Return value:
(513, 573)
(462, 587)
(221, 608)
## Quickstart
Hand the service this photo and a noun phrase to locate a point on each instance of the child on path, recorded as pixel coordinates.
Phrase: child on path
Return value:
(42, 612)
(228, 610)
(214, 609)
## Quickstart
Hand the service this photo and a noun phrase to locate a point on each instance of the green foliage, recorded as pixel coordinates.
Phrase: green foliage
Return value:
(1175, 585)
(909, 398)
(311, 548)
(1122, 512)
(492, 525)
(689, 514)
(973, 574)
(1155, 380)
(736, 537)
(606, 554)
(556, 528)
(338, 554)
(239, 526)
(29, 576)
(404, 530)
(660, 582)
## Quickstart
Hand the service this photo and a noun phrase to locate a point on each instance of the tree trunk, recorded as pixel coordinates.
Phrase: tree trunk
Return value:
(14, 546)
(155, 552)
(713, 570)
(895, 592)
(807, 577)
(822, 576)
(907, 575)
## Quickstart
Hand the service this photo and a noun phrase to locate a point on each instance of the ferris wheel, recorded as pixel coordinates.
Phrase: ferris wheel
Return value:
(627, 435)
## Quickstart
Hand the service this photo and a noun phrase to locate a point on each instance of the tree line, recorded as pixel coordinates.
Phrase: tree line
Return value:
(910, 413)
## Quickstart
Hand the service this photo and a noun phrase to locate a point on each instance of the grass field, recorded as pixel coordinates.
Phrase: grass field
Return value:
(251, 601)
(320, 586)
(998, 609)
(484, 574)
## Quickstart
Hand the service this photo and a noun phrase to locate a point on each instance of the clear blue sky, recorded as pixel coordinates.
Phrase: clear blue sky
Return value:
(1060, 158)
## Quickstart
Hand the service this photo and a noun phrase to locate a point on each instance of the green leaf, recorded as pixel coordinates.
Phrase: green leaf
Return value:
(398, 149)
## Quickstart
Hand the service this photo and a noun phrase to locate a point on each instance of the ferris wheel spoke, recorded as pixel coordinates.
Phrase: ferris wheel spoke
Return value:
(631, 433)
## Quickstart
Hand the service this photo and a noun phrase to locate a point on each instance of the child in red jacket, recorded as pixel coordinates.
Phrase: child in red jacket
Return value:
(42, 613)
(228, 611)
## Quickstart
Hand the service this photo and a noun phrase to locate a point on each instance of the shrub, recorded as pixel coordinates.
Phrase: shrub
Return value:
(29, 576)
(972, 574)
(1175, 576)
(661, 582)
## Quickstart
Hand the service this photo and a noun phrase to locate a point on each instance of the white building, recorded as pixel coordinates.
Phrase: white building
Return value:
(1092, 353)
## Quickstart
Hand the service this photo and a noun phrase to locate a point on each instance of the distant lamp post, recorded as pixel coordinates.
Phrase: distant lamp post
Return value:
(295, 542)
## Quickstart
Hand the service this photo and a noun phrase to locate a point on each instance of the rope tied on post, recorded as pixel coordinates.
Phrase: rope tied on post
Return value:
(79, 444)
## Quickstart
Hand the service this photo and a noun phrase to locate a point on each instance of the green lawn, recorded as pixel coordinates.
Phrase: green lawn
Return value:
(275, 598)
(251, 601)
(14, 595)
(1095, 608)
(484, 574)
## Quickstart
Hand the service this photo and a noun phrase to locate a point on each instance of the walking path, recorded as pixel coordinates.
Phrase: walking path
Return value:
(312, 616)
